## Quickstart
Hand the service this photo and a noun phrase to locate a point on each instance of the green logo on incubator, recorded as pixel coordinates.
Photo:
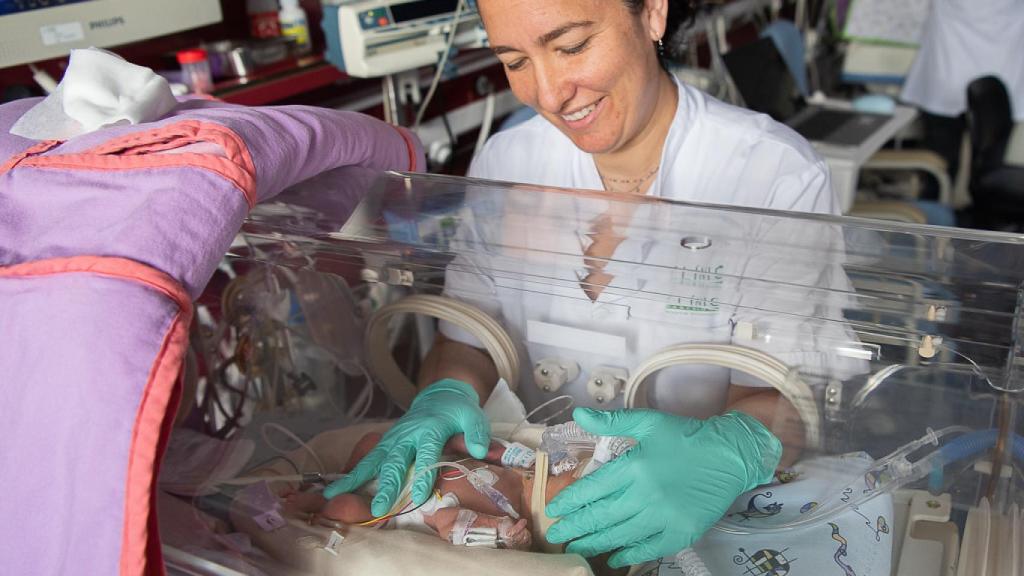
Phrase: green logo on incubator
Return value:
(693, 304)
(701, 276)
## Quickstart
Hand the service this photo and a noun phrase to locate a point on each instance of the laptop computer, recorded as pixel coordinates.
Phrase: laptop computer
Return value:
(766, 85)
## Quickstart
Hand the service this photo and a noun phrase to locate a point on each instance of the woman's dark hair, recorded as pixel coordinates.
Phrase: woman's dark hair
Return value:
(680, 15)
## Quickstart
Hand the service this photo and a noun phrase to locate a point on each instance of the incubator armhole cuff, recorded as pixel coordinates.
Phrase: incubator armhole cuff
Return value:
(540, 521)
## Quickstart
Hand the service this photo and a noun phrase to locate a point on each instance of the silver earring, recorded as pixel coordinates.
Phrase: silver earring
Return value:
(661, 47)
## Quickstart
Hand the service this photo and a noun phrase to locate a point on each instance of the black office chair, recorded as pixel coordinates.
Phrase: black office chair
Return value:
(997, 189)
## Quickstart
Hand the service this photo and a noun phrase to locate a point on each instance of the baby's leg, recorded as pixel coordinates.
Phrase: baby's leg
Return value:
(299, 503)
(347, 508)
(511, 533)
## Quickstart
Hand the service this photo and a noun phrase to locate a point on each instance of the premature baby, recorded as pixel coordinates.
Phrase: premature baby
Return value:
(458, 512)
(856, 539)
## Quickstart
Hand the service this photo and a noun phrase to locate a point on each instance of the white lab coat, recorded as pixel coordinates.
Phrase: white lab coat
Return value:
(963, 40)
(714, 153)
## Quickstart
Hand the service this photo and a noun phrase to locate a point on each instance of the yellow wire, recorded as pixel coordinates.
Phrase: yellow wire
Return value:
(437, 494)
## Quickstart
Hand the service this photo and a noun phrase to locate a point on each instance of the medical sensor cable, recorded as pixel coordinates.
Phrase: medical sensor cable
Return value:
(441, 64)
(291, 435)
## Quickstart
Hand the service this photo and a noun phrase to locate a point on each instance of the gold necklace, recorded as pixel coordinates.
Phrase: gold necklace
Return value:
(636, 183)
(632, 180)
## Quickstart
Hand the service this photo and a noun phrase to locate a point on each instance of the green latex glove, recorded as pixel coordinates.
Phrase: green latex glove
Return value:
(664, 493)
(443, 409)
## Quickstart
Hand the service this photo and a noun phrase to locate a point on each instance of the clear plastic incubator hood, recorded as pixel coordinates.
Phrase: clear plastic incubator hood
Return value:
(896, 353)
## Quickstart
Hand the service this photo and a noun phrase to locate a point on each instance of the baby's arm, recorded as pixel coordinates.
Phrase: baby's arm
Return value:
(354, 509)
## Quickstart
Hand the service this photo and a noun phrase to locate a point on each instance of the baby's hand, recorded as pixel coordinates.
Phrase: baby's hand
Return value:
(457, 444)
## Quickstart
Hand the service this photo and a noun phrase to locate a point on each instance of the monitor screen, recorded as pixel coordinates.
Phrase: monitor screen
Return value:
(422, 9)
(763, 80)
(15, 6)
(34, 30)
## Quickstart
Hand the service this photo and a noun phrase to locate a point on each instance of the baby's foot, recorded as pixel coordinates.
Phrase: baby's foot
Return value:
(514, 535)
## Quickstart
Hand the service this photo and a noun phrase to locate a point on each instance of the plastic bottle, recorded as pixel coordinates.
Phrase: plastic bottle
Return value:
(295, 25)
(262, 18)
(195, 70)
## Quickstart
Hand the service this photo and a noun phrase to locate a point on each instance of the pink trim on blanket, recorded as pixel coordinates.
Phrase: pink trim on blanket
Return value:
(139, 554)
(37, 148)
(220, 166)
(410, 146)
(181, 134)
(138, 151)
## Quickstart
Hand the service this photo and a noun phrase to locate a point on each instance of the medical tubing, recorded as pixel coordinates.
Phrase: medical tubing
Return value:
(965, 447)
(483, 487)
(569, 432)
(561, 441)
(382, 366)
(494, 495)
(294, 438)
(477, 481)
(931, 437)
(485, 124)
(441, 64)
(305, 478)
(900, 473)
(364, 407)
(526, 419)
(876, 379)
(747, 360)
(900, 470)
(571, 402)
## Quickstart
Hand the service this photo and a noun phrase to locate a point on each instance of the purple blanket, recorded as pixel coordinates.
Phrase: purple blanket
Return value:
(104, 242)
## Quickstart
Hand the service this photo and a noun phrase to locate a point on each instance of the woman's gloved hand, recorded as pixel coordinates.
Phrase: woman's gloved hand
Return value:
(443, 409)
(664, 493)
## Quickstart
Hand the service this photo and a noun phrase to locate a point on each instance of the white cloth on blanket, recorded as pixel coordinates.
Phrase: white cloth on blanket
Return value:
(99, 89)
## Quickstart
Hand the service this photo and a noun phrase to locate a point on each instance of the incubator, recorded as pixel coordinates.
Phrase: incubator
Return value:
(898, 351)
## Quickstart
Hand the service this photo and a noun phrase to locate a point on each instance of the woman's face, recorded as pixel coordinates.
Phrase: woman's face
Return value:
(588, 66)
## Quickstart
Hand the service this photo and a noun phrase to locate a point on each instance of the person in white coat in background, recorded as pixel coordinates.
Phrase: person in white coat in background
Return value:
(964, 40)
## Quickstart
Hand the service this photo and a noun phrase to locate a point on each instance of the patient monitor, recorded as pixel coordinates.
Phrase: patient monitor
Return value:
(371, 38)
(897, 350)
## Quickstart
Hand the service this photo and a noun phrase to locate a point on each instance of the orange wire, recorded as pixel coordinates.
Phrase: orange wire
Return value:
(385, 517)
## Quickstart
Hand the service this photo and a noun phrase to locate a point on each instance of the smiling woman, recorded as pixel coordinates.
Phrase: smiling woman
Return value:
(591, 69)
(612, 118)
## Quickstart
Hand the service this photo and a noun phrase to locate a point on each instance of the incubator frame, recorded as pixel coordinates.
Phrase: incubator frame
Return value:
(901, 313)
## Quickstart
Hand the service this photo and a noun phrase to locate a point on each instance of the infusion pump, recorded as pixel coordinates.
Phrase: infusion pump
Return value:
(369, 38)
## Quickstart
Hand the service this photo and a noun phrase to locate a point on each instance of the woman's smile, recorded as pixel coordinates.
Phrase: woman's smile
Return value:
(582, 118)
